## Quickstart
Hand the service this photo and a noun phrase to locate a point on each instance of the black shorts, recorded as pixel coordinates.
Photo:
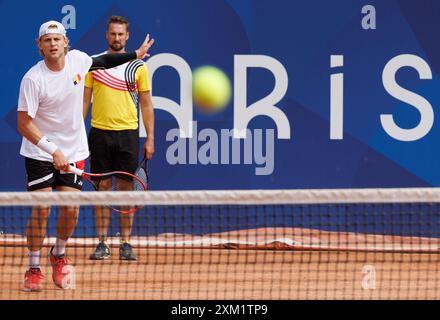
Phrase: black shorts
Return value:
(42, 174)
(113, 150)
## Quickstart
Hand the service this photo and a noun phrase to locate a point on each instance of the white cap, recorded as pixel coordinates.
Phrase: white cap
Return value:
(52, 27)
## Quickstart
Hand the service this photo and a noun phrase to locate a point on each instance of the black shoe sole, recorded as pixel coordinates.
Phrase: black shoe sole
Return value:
(127, 259)
(100, 258)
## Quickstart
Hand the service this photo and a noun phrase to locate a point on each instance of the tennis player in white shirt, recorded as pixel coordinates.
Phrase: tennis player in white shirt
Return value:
(50, 119)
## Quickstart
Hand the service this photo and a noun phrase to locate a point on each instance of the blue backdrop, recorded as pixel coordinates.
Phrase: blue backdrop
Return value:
(302, 36)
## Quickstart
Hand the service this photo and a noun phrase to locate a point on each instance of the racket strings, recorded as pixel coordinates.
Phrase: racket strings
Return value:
(141, 173)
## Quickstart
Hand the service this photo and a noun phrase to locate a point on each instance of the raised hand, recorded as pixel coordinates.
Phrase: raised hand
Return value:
(142, 52)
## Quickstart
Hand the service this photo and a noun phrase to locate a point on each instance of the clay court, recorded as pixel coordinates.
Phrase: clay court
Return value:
(274, 270)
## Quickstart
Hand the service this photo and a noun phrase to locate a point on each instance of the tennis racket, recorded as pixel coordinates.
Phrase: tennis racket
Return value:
(142, 176)
(139, 181)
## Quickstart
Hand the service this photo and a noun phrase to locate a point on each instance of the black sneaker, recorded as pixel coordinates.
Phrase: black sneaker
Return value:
(102, 252)
(126, 252)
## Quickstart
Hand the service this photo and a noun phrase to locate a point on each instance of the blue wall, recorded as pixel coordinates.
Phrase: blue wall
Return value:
(301, 35)
(417, 220)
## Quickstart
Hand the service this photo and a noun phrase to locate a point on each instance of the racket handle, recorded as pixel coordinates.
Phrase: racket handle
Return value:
(76, 171)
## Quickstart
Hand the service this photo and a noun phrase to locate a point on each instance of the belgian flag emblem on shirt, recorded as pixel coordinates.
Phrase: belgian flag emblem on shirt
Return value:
(77, 79)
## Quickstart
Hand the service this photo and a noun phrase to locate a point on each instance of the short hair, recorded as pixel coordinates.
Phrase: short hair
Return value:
(119, 20)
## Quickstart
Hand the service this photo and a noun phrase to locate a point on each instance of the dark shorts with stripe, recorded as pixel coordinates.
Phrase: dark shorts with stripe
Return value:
(113, 150)
(42, 174)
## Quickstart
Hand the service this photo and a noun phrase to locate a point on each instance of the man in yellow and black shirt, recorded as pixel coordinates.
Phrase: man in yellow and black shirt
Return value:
(114, 133)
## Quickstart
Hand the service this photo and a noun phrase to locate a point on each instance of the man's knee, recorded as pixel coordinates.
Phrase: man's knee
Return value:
(105, 185)
(70, 212)
(41, 212)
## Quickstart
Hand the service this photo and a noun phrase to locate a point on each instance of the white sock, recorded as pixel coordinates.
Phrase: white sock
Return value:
(60, 247)
(34, 259)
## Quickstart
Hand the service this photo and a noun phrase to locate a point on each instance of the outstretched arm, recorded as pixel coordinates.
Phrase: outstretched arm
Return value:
(107, 61)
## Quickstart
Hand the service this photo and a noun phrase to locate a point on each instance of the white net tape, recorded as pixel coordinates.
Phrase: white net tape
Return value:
(226, 197)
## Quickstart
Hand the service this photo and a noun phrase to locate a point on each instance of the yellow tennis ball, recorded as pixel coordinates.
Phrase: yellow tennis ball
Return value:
(211, 89)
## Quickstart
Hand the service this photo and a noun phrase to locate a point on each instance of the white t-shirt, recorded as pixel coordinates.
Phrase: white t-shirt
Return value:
(55, 102)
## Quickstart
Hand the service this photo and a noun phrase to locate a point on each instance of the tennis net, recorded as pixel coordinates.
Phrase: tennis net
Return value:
(237, 244)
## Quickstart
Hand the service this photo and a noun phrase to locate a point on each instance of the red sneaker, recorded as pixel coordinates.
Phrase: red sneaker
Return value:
(60, 274)
(33, 279)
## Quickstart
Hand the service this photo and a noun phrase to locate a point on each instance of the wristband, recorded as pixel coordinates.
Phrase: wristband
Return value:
(46, 145)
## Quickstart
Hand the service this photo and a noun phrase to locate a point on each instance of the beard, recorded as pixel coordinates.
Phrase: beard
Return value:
(116, 46)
